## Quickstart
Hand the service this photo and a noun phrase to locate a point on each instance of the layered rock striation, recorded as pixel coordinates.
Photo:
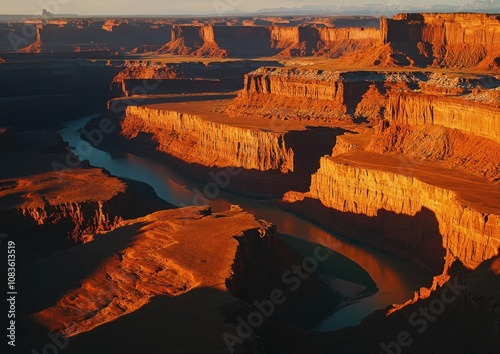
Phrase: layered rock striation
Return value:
(311, 94)
(255, 41)
(476, 118)
(204, 142)
(469, 230)
(449, 40)
(150, 77)
(53, 202)
(210, 143)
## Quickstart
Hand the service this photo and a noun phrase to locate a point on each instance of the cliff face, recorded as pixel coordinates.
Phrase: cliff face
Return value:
(267, 160)
(169, 252)
(456, 39)
(208, 143)
(468, 234)
(255, 41)
(445, 28)
(301, 95)
(117, 35)
(82, 220)
(51, 205)
(449, 148)
(466, 115)
(193, 40)
(188, 77)
(310, 94)
(60, 216)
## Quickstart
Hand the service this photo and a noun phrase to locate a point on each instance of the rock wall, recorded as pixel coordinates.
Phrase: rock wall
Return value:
(301, 95)
(332, 34)
(82, 219)
(444, 28)
(419, 109)
(122, 35)
(213, 144)
(449, 148)
(263, 162)
(77, 221)
(467, 233)
(255, 41)
(138, 77)
(307, 94)
(457, 39)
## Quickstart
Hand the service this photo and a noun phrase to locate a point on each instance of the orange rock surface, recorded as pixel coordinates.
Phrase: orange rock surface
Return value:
(165, 253)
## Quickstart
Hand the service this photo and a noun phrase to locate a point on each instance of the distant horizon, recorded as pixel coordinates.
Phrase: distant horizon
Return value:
(200, 8)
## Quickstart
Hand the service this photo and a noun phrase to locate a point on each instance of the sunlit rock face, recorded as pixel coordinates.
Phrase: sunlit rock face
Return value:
(469, 231)
(209, 143)
(457, 40)
(164, 253)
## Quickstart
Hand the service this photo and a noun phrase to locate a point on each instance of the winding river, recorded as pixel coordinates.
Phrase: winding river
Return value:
(396, 280)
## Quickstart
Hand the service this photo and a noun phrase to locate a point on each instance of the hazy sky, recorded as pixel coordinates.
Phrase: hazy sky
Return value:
(175, 7)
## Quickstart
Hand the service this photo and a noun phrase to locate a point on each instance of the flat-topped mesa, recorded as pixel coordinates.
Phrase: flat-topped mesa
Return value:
(117, 35)
(264, 160)
(457, 39)
(336, 42)
(254, 41)
(157, 77)
(415, 217)
(168, 244)
(219, 41)
(307, 94)
(444, 28)
(212, 144)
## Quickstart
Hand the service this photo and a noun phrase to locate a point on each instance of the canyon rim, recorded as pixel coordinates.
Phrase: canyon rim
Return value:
(322, 182)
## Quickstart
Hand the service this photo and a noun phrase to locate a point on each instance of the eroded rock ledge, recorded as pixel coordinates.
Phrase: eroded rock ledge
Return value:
(262, 159)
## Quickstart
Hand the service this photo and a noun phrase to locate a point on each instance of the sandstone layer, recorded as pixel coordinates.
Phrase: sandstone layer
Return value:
(261, 41)
(164, 253)
(476, 118)
(156, 77)
(77, 35)
(417, 40)
(306, 94)
(171, 257)
(454, 40)
(45, 193)
(194, 133)
(468, 222)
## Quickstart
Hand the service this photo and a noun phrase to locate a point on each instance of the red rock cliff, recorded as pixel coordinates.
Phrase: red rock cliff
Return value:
(457, 39)
(452, 112)
(193, 139)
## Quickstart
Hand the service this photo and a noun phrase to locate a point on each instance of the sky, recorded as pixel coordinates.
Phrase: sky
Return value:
(176, 7)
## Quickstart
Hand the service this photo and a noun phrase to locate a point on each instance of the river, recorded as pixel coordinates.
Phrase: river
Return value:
(396, 280)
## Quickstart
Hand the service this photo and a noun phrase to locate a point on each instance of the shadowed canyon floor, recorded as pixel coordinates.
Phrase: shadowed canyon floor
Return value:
(383, 131)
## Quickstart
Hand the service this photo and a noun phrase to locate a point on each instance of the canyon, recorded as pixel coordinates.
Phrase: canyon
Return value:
(385, 132)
